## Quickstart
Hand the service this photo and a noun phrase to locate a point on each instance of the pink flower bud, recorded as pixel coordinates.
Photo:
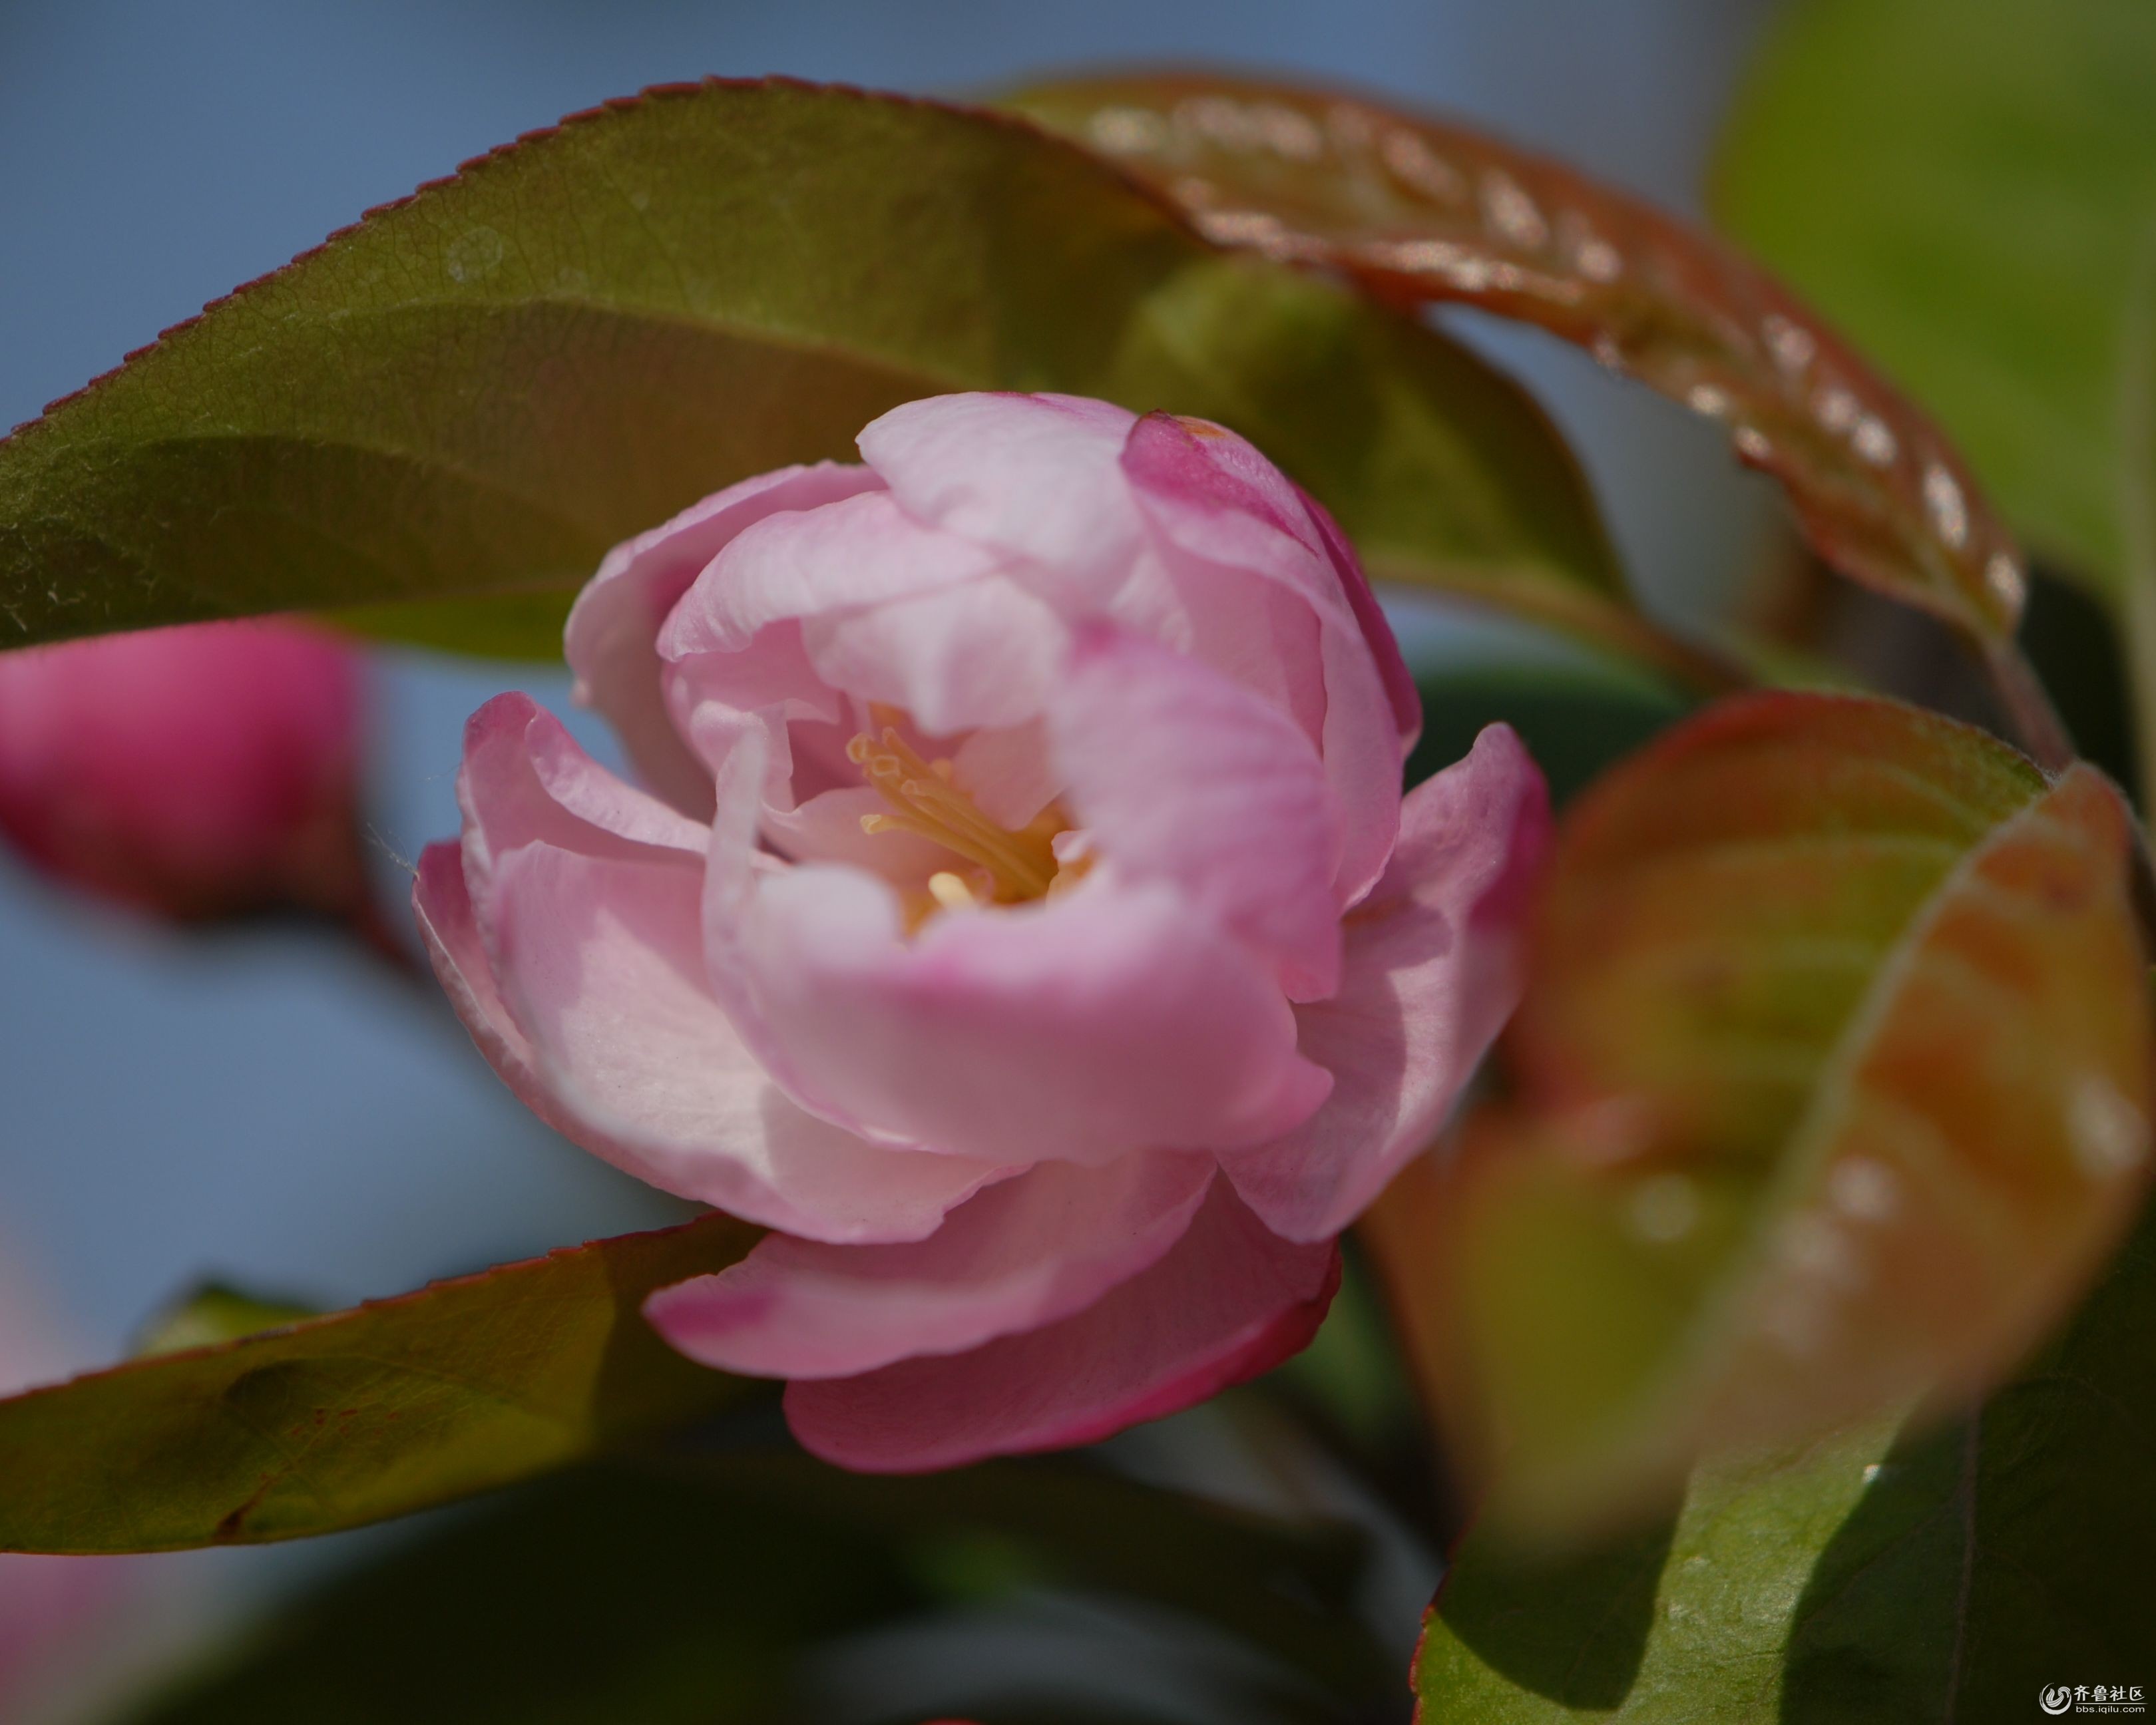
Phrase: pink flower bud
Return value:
(199, 772)
(1024, 921)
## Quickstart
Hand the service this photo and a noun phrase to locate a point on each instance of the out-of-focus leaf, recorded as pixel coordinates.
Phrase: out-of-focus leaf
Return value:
(1949, 1575)
(478, 390)
(396, 1405)
(509, 625)
(1832, 1086)
(1421, 211)
(1963, 184)
(715, 1591)
(212, 1312)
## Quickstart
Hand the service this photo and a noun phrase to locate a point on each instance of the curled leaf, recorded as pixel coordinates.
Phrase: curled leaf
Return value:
(1419, 211)
(1833, 1087)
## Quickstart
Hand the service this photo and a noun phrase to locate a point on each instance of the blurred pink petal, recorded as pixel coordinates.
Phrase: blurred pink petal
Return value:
(1017, 1255)
(1231, 1300)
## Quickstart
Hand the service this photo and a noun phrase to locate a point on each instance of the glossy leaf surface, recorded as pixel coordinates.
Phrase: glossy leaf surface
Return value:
(1965, 185)
(1832, 1086)
(1421, 211)
(1949, 1575)
(479, 389)
(729, 1589)
(332, 1422)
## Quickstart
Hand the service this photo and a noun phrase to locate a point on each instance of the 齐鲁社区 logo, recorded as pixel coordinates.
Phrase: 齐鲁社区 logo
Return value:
(2112, 1698)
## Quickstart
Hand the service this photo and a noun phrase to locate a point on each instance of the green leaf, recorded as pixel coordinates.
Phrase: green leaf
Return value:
(331, 1422)
(1419, 211)
(1832, 1086)
(718, 1591)
(1963, 184)
(212, 1312)
(1948, 1575)
(477, 391)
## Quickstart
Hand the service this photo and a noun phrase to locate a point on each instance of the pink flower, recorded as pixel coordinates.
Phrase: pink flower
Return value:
(205, 771)
(1024, 923)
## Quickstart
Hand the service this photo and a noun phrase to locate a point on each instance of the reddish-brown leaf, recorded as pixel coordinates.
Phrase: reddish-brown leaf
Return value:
(1421, 211)
(1832, 1087)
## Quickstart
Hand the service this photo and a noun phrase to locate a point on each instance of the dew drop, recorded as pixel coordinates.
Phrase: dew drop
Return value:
(1752, 443)
(1421, 169)
(1215, 118)
(1128, 131)
(1813, 1246)
(1664, 1209)
(1873, 1469)
(1942, 500)
(1790, 343)
(1863, 1189)
(1708, 399)
(1593, 258)
(1874, 440)
(1836, 409)
(2003, 575)
(1242, 226)
(1287, 134)
(1597, 260)
(2110, 1135)
(1511, 214)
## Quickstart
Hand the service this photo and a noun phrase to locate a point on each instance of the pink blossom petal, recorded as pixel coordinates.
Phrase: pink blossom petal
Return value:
(615, 623)
(628, 1057)
(1400, 691)
(982, 655)
(1230, 1301)
(1110, 1019)
(1433, 969)
(1034, 475)
(1020, 1254)
(863, 550)
(1213, 499)
(1180, 774)
(524, 779)
(1009, 773)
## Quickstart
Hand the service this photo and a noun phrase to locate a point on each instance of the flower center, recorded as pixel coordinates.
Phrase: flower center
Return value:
(1007, 866)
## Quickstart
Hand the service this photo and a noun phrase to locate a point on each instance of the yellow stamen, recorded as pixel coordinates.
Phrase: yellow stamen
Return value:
(948, 891)
(928, 802)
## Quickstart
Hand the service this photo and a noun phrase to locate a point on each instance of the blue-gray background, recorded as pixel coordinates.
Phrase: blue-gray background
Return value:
(270, 1108)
